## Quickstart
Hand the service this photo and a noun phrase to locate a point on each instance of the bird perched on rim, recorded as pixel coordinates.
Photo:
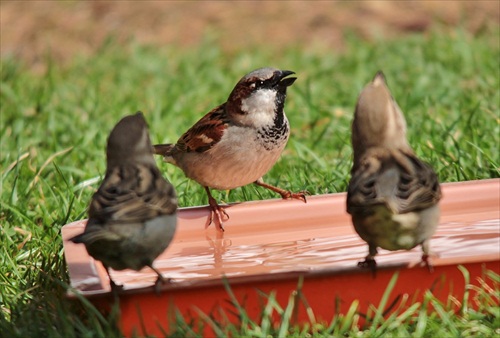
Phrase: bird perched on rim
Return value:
(392, 195)
(239, 141)
(132, 216)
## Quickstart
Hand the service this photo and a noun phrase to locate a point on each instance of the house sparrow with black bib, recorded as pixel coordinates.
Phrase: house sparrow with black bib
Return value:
(132, 216)
(239, 141)
(392, 195)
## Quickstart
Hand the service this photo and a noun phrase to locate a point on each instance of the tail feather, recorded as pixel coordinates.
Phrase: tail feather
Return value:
(163, 149)
(78, 238)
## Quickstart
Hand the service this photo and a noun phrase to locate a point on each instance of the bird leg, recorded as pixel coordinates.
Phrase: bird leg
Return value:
(285, 194)
(369, 262)
(217, 212)
(115, 288)
(159, 281)
(426, 255)
(427, 263)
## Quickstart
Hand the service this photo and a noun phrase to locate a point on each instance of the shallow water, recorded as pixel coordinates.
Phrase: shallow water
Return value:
(213, 258)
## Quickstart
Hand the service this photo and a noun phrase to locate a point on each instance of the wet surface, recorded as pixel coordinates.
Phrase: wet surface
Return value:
(276, 237)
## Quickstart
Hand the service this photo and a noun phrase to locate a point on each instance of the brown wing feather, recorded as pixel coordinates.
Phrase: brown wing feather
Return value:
(205, 133)
(415, 188)
(421, 189)
(132, 194)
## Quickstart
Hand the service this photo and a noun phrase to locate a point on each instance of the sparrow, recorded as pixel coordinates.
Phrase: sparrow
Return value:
(132, 216)
(238, 142)
(392, 195)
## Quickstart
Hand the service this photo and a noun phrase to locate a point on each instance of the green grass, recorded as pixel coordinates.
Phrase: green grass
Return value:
(407, 319)
(54, 127)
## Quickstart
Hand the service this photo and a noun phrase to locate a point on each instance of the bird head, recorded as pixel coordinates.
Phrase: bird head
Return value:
(259, 97)
(378, 120)
(129, 142)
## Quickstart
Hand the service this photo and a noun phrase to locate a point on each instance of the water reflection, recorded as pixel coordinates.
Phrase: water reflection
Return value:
(215, 255)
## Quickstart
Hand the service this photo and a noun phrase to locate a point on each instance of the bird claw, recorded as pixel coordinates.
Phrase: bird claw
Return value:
(218, 216)
(427, 263)
(369, 263)
(115, 289)
(301, 195)
(160, 281)
(216, 212)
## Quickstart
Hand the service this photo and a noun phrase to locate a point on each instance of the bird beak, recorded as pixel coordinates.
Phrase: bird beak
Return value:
(379, 78)
(280, 78)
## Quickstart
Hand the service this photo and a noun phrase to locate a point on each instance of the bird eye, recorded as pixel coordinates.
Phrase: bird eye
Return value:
(257, 84)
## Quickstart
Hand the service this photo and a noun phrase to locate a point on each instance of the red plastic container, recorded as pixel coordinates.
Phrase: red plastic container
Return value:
(269, 244)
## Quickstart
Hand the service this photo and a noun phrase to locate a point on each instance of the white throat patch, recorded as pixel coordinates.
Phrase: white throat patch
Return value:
(260, 108)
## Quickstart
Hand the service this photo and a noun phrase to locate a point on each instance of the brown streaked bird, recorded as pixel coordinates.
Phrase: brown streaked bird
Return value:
(132, 216)
(239, 141)
(392, 195)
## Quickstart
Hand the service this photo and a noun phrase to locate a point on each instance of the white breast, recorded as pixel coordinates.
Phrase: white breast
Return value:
(259, 108)
(238, 159)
